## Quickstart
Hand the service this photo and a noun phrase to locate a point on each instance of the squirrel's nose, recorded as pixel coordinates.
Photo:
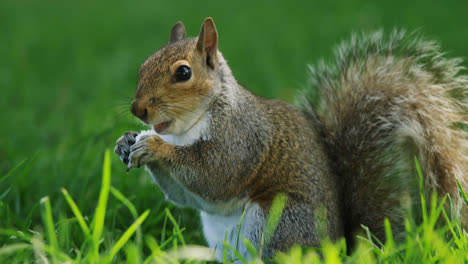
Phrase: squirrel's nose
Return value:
(139, 110)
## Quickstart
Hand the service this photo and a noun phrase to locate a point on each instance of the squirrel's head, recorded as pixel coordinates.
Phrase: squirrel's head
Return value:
(175, 83)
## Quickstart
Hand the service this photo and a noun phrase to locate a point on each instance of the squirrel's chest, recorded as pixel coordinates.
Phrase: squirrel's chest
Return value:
(198, 131)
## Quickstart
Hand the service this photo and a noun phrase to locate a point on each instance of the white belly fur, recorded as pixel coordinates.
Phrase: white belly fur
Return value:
(220, 228)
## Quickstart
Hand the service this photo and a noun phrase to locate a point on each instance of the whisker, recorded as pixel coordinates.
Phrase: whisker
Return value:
(173, 116)
(178, 107)
(120, 115)
(180, 110)
(122, 95)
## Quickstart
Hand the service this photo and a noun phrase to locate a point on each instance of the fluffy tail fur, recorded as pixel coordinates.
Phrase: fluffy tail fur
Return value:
(385, 100)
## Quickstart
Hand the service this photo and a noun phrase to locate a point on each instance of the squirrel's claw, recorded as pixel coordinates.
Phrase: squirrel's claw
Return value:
(140, 154)
(123, 145)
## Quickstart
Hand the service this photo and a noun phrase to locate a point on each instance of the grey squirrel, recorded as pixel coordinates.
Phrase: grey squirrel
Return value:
(344, 155)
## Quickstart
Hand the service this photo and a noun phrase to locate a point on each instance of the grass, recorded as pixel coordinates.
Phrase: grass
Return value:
(68, 72)
(428, 242)
(45, 246)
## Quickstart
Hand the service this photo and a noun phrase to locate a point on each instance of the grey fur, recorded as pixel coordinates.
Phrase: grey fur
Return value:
(383, 101)
(344, 160)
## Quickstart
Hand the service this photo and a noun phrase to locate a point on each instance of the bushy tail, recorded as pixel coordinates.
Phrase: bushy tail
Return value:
(385, 100)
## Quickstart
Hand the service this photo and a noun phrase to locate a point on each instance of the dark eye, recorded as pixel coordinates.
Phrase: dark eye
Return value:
(183, 73)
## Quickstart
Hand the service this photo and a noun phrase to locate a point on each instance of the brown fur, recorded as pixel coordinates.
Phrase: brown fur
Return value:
(384, 110)
(344, 161)
(156, 80)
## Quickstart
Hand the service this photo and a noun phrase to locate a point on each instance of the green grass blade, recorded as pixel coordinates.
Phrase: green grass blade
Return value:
(163, 232)
(5, 193)
(176, 226)
(389, 243)
(154, 247)
(371, 238)
(46, 212)
(168, 241)
(157, 254)
(251, 249)
(102, 203)
(58, 256)
(463, 193)
(174, 244)
(238, 229)
(225, 252)
(331, 253)
(117, 194)
(421, 190)
(235, 252)
(77, 213)
(435, 212)
(4, 177)
(274, 216)
(15, 233)
(132, 254)
(449, 224)
(130, 231)
(29, 217)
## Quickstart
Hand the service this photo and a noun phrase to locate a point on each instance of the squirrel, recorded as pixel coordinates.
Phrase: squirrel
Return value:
(344, 155)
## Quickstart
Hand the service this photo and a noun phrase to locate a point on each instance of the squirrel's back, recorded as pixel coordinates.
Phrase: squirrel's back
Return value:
(385, 100)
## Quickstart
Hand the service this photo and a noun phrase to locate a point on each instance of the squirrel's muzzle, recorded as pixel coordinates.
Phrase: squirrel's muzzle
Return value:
(139, 110)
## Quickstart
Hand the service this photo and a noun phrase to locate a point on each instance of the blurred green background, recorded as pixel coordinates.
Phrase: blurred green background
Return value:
(68, 71)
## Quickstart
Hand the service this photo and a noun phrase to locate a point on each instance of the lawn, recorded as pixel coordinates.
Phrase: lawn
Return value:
(68, 72)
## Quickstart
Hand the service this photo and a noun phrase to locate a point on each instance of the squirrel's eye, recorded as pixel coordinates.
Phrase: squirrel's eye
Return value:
(183, 73)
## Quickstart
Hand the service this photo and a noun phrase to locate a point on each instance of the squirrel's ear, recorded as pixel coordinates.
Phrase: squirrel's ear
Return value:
(208, 42)
(177, 32)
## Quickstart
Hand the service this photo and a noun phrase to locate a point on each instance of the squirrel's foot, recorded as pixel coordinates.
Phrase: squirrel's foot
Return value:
(123, 144)
(149, 148)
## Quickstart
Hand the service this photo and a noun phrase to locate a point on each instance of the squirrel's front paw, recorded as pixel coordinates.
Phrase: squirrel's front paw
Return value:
(123, 144)
(148, 148)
